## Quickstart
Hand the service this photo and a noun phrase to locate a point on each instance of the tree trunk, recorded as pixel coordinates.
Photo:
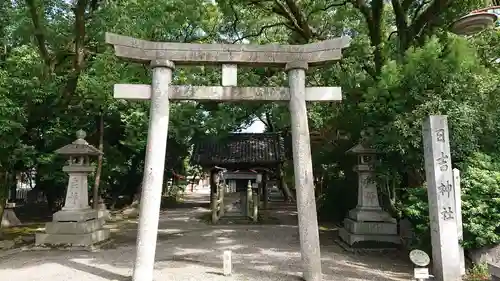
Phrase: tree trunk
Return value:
(415, 178)
(135, 179)
(193, 181)
(96, 197)
(137, 196)
(13, 193)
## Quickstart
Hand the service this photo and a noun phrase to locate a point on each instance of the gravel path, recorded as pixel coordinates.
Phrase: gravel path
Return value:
(190, 250)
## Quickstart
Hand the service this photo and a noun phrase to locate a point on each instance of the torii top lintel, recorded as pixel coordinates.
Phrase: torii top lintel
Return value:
(256, 55)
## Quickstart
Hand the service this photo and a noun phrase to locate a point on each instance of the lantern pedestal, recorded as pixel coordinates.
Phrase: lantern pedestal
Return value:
(103, 214)
(9, 217)
(368, 226)
(83, 215)
(76, 224)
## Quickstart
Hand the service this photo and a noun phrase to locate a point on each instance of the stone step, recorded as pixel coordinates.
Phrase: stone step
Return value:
(73, 227)
(233, 214)
(375, 228)
(369, 240)
(235, 220)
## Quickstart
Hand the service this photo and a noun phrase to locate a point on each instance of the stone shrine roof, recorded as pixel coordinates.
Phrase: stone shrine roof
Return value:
(79, 147)
(243, 150)
(361, 149)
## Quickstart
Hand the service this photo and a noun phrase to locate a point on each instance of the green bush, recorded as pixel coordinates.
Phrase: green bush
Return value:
(480, 181)
(339, 196)
(175, 191)
(479, 272)
(481, 201)
(416, 210)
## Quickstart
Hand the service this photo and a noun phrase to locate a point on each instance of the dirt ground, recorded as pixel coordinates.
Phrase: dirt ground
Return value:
(190, 249)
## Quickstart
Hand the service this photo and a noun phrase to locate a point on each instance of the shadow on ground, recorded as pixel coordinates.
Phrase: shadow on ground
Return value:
(189, 249)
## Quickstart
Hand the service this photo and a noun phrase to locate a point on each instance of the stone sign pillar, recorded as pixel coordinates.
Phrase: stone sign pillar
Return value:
(458, 209)
(76, 224)
(302, 167)
(368, 226)
(441, 196)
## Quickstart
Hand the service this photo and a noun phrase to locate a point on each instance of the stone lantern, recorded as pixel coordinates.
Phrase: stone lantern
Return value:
(76, 224)
(368, 226)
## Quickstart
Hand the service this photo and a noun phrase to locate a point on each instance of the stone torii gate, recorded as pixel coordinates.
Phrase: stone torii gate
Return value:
(163, 57)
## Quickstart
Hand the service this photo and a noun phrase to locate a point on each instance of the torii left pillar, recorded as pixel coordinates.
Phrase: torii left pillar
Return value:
(153, 169)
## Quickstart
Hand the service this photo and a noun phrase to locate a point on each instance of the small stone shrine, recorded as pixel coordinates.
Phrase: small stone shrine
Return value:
(368, 226)
(76, 224)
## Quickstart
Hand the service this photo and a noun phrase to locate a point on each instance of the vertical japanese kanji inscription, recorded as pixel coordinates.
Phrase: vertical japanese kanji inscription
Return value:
(442, 214)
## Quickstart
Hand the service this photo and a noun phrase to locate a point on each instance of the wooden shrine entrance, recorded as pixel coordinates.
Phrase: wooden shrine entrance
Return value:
(163, 57)
(246, 162)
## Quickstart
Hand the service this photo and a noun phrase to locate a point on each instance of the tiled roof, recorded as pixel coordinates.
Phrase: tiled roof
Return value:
(240, 149)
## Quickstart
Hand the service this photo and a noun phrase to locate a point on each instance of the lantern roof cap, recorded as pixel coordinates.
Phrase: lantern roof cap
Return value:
(79, 147)
(361, 148)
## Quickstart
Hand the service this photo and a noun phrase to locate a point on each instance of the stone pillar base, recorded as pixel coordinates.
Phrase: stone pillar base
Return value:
(370, 228)
(75, 215)
(74, 228)
(370, 215)
(9, 217)
(103, 215)
(85, 239)
(369, 241)
(378, 228)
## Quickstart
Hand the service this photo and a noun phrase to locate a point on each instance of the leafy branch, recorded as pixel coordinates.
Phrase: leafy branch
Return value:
(39, 32)
(326, 8)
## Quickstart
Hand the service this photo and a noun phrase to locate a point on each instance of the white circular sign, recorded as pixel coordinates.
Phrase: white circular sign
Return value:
(419, 257)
